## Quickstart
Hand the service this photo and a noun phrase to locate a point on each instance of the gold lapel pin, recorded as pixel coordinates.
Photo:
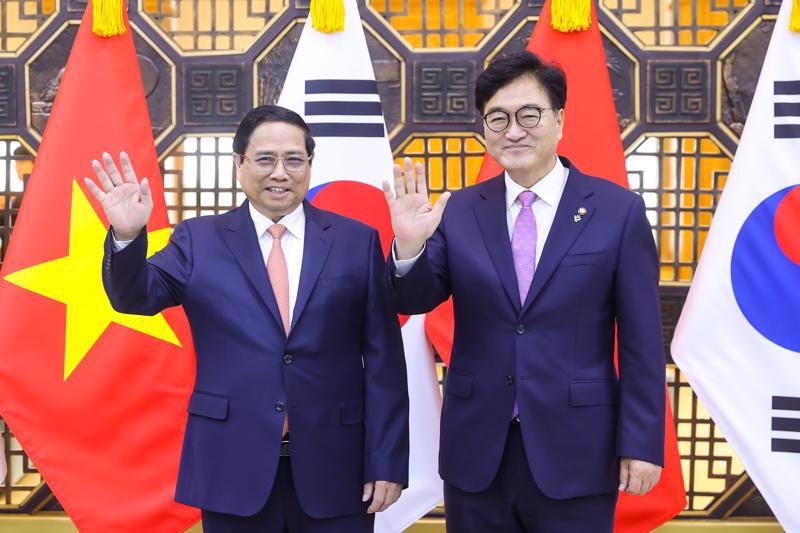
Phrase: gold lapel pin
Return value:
(581, 211)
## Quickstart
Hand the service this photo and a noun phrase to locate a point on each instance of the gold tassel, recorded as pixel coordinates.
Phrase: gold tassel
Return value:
(327, 16)
(794, 18)
(107, 20)
(572, 15)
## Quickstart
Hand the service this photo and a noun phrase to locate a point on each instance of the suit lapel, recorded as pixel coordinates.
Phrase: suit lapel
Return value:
(242, 240)
(491, 215)
(564, 231)
(316, 246)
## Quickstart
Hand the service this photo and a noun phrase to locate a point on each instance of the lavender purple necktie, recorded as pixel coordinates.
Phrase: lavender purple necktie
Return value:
(523, 247)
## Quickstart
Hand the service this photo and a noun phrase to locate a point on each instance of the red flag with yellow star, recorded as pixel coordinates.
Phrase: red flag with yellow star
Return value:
(96, 398)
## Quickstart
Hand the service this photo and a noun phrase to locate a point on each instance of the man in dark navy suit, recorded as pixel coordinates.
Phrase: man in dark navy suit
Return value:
(299, 417)
(543, 263)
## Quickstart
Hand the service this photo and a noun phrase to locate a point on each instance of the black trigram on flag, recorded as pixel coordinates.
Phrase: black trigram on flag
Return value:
(787, 420)
(787, 109)
(352, 108)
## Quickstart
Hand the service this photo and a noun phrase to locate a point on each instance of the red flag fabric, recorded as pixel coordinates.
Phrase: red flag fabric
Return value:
(96, 398)
(592, 142)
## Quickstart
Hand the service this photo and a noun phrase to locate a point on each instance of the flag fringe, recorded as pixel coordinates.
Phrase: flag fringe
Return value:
(327, 16)
(572, 15)
(107, 20)
(794, 18)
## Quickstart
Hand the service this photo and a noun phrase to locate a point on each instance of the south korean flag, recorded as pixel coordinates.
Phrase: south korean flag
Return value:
(331, 83)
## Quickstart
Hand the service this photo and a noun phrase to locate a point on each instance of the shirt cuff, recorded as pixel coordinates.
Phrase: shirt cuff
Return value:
(403, 266)
(118, 245)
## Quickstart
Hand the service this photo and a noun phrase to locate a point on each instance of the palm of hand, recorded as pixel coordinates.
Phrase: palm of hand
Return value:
(413, 217)
(124, 208)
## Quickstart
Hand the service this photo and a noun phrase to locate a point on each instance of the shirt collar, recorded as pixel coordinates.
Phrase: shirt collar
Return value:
(548, 188)
(295, 221)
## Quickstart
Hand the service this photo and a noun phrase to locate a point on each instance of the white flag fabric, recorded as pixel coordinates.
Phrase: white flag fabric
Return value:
(738, 337)
(331, 83)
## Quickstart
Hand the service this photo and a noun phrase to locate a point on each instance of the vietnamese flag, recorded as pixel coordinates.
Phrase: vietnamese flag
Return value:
(592, 142)
(96, 398)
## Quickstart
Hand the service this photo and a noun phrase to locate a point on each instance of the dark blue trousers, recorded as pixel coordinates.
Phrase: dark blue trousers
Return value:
(282, 514)
(513, 502)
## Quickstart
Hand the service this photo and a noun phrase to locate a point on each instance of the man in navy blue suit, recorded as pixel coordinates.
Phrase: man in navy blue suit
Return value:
(299, 417)
(543, 263)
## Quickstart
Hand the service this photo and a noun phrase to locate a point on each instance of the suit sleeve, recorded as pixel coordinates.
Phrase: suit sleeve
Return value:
(140, 286)
(386, 388)
(641, 345)
(427, 284)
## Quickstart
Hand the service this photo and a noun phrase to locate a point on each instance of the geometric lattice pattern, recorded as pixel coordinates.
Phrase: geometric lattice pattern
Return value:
(709, 463)
(671, 23)
(451, 161)
(682, 73)
(437, 24)
(199, 178)
(16, 164)
(198, 25)
(680, 180)
(19, 19)
(22, 477)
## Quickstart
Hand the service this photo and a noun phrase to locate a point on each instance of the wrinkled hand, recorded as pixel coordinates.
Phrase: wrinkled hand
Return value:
(413, 218)
(637, 477)
(126, 202)
(383, 494)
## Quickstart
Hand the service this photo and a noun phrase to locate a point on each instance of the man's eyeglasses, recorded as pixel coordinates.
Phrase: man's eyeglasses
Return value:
(268, 162)
(527, 117)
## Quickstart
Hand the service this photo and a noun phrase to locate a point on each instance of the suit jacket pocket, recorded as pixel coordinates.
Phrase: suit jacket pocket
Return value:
(208, 405)
(583, 259)
(352, 412)
(583, 393)
(339, 281)
(458, 384)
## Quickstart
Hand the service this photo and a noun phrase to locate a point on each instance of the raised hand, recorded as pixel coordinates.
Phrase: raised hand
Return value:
(126, 202)
(413, 218)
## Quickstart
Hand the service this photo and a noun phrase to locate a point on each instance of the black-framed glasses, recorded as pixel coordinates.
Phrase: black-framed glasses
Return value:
(268, 162)
(527, 117)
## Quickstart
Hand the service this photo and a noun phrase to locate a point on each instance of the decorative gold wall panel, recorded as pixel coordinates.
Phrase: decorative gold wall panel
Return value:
(682, 71)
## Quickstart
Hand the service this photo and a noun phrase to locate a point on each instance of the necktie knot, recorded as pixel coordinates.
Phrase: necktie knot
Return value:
(276, 230)
(526, 198)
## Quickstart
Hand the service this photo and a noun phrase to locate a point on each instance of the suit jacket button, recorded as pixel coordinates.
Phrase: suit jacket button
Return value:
(288, 359)
(520, 329)
(509, 380)
(280, 406)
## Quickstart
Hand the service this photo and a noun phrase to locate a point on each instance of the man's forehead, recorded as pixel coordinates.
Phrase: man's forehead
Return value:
(277, 137)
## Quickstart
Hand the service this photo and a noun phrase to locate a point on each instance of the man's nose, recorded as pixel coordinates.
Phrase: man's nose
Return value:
(514, 131)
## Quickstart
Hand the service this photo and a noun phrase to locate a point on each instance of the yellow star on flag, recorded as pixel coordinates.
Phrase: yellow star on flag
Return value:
(76, 281)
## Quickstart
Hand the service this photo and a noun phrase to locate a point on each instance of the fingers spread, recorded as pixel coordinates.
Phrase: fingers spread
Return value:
(95, 190)
(111, 169)
(387, 192)
(127, 168)
(101, 174)
(399, 182)
(411, 187)
(422, 184)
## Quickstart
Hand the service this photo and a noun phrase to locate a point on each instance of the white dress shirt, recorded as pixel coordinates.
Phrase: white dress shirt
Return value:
(548, 192)
(292, 242)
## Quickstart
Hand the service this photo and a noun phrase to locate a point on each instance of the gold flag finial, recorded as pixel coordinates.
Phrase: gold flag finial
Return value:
(794, 17)
(327, 16)
(571, 15)
(107, 19)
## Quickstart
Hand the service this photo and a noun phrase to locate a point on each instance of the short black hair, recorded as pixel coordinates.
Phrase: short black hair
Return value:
(504, 70)
(269, 113)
